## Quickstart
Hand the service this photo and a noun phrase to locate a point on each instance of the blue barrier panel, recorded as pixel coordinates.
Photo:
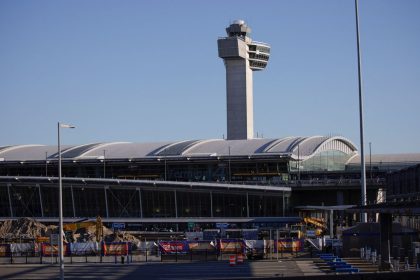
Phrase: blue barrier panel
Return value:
(334, 260)
(325, 255)
(347, 270)
(335, 263)
(328, 257)
(342, 266)
(331, 259)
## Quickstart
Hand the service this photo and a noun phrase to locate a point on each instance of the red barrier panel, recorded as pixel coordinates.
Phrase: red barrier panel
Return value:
(49, 250)
(289, 245)
(4, 250)
(173, 247)
(231, 246)
(115, 249)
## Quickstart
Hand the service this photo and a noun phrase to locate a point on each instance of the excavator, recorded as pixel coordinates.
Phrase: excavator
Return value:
(318, 225)
(74, 227)
(315, 225)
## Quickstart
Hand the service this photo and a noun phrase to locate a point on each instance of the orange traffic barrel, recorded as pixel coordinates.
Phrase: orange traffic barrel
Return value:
(232, 260)
(240, 259)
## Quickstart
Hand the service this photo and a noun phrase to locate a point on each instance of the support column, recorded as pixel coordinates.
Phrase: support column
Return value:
(10, 199)
(385, 221)
(106, 201)
(340, 201)
(141, 206)
(247, 205)
(331, 223)
(211, 204)
(72, 201)
(340, 198)
(40, 200)
(176, 206)
(284, 205)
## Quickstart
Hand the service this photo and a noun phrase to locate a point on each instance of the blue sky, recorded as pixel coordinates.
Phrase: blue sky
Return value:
(145, 71)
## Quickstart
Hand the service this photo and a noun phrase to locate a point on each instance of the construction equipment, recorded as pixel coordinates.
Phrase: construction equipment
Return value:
(82, 225)
(298, 231)
(316, 222)
(314, 225)
(318, 225)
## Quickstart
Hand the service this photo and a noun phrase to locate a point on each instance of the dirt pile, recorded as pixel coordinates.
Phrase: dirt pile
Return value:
(121, 236)
(28, 228)
(89, 234)
(23, 228)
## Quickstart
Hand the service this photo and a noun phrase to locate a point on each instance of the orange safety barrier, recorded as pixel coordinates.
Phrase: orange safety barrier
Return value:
(232, 260)
(240, 259)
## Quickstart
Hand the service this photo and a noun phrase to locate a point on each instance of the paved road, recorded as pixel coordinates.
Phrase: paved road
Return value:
(162, 271)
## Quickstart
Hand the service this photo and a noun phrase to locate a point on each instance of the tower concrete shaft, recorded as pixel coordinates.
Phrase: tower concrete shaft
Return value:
(241, 56)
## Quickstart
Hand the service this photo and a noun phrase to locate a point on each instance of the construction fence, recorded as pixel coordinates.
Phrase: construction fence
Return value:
(127, 252)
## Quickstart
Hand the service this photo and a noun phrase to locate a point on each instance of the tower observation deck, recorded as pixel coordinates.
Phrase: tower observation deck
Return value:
(241, 56)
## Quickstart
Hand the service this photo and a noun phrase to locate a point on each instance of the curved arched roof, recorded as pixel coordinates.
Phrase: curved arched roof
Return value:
(303, 147)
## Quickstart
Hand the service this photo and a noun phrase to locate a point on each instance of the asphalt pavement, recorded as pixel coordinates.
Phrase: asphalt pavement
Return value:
(163, 271)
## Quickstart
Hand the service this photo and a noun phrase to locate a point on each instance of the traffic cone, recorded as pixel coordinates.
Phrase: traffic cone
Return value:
(232, 260)
(240, 259)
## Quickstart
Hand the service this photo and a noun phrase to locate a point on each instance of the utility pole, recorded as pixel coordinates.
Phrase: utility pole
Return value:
(363, 216)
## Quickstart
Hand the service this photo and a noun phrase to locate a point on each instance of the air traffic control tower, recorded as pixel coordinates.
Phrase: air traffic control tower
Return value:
(241, 56)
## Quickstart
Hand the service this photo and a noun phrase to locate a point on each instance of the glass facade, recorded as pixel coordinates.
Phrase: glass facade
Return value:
(265, 206)
(123, 202)
(229, 205)
(331, 160)
(80, 201)
(25, 201)
(50, 201)
(193, 204)
(4, 202)
(244, 170)
(89, 202)
(158, 204)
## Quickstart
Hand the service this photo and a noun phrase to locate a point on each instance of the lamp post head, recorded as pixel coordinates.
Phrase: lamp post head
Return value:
(63, 125)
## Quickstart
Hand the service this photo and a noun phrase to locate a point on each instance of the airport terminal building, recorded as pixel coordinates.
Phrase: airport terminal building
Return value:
(198, 181)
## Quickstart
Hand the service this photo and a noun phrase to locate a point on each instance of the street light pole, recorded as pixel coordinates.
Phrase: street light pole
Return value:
(60, 200)
(362, 153)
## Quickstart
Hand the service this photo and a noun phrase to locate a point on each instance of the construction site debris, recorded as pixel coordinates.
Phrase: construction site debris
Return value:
(29, 228)
(24, 228)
